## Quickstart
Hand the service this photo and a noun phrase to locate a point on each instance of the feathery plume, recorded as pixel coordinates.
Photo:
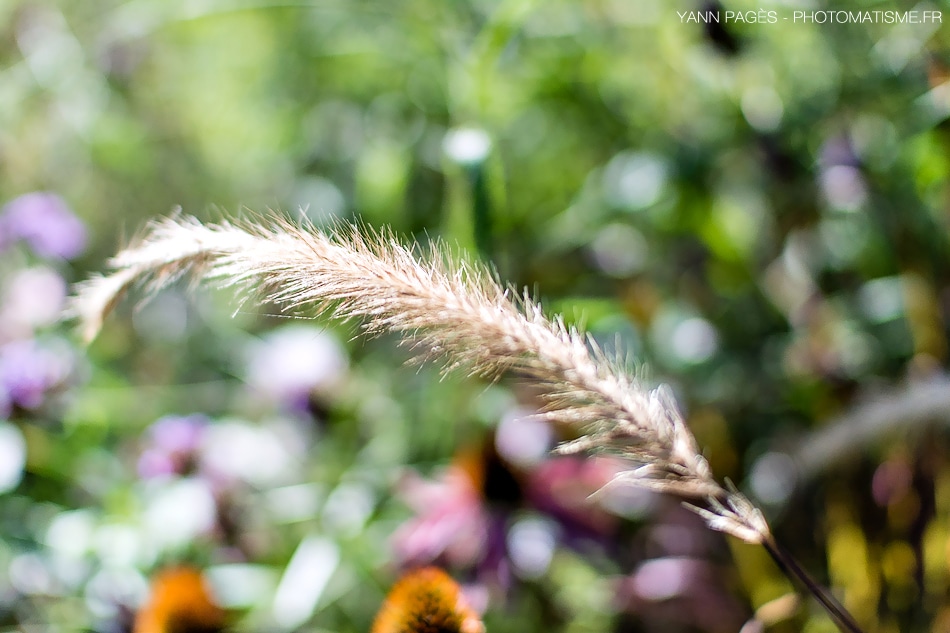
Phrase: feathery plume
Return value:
(426, 600)
(454, 310)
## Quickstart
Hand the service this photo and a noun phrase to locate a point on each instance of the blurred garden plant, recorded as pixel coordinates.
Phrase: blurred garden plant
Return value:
(180, 602)
(758, 211)
(34, 365)
(427, 601)
(456, 311)
(38, 234)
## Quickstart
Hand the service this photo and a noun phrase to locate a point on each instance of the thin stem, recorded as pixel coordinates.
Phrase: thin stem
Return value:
(792, 569)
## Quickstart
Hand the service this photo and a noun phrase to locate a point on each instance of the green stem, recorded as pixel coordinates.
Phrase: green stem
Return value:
(792, 569)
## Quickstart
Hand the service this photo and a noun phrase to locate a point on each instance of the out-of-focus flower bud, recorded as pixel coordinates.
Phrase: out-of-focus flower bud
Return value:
(426, 600)
(180, 602)
(45, 222)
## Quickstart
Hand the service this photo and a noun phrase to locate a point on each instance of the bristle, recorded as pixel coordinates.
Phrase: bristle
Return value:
(180, 602)
(453, 310)
(427, 601)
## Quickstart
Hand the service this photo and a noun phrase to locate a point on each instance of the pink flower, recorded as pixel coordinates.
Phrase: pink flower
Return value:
(562, 487)
(451, 525)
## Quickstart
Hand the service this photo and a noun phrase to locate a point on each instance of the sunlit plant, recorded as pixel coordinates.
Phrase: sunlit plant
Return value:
(456, 311)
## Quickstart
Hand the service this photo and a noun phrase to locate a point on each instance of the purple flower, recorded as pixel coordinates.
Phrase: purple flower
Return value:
(29, 371)
(522, 439)
(286, 365)
(173, 443)
(44, 221)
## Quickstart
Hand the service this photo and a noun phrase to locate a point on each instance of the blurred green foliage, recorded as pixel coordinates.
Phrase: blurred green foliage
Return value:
(756, 213)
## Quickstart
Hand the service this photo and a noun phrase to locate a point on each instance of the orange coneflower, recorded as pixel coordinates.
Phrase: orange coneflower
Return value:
(180, 602)
(427, 600)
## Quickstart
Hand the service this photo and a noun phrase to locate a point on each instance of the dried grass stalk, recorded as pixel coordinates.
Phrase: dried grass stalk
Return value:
(456, 311)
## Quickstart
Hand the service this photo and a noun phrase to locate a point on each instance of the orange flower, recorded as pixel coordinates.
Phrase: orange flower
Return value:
(180, 602)
(426, 601)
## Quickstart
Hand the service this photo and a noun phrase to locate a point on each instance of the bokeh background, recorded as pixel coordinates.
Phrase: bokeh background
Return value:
(756, 214)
